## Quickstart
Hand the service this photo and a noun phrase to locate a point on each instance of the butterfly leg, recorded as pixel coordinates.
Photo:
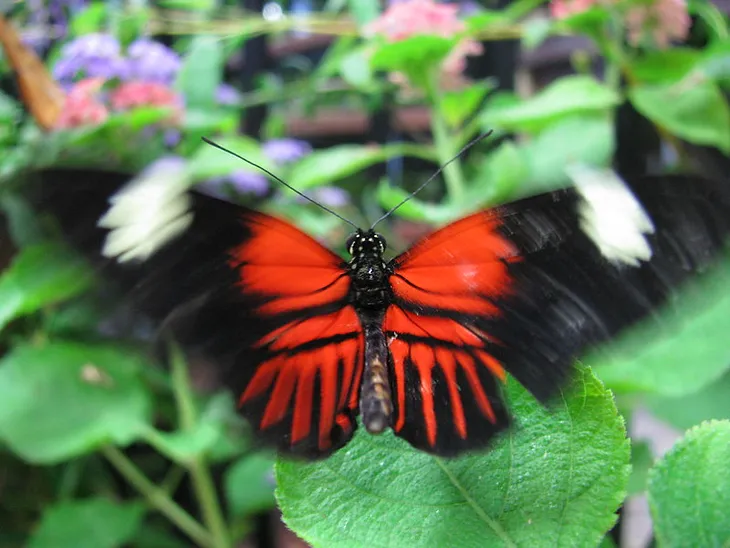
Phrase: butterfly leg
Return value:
(376, 404)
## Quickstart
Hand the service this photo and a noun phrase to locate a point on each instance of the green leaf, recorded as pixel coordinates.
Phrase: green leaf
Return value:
(555, 480)
(201, 72)
(457, 106)
(567, 96)
(40, 275)
(90, 523)
(678, 352)
(324, 167)
(689, 489)
(664, 66)
(64, 399)
(249, 485)
(414, 209)
(210, 430)
(684, 412)
(416, 56)
(587, 140)
(641, 461)
(208, 161)
(693, 110)
(90, 19)
(501, 175)
(355, 69)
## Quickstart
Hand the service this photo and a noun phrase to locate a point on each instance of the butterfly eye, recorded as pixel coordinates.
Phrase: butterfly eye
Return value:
(381, 242)
(350, 243)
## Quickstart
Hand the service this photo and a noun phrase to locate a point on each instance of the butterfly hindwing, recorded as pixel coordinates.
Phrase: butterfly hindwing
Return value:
(261, 300)
(524, 288)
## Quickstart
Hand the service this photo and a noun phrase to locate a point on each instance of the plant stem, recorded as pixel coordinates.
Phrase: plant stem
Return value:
(199, 472)
(157, 498)
(443, 142)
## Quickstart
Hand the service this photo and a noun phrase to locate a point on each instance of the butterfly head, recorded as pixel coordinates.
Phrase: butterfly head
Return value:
(366, 243)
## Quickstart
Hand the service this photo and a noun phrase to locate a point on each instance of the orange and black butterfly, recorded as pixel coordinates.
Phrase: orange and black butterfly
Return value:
(420, 343)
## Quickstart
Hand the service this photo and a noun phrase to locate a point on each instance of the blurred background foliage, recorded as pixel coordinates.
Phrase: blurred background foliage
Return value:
(355, 103)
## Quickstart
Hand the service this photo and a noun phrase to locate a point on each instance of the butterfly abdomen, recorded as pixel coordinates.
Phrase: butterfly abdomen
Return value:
(376, 405)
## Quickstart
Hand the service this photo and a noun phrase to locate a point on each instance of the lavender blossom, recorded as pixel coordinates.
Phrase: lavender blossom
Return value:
(284, 151)
(330, 196)
(88, 56)
(240, 182)
(151, 61)
(227, 95)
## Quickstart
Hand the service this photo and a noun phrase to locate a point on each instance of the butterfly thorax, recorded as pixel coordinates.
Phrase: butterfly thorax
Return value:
(371, 296)
(368, 271)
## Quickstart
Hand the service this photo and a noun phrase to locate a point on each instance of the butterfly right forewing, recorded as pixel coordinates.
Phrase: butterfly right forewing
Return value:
(524, 289)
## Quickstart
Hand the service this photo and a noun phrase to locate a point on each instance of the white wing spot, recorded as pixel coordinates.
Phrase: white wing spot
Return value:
(146, 214)
(611, 215)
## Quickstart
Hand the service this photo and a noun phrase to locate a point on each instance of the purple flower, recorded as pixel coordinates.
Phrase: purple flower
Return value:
(90, 56)
(226, 94)
(283, 151)
(240, 182)
(330, 196)
(152, 61)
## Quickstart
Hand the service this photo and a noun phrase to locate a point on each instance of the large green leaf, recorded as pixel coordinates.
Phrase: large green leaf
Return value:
(567, 96)
(679, 351)
(63, 399)
(555, 480)
(689, 489)
(40, 275)
(693, 110)
(90, 523)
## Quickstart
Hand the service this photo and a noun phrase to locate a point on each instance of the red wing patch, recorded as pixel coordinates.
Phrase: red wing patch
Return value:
(461, 268)
(306, 364)
(443, 382)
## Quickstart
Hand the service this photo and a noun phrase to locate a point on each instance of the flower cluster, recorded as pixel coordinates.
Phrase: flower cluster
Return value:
(100, 78)
(425, 17)
(662, 20)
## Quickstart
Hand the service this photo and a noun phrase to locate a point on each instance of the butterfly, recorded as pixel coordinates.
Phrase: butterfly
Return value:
(421, 343)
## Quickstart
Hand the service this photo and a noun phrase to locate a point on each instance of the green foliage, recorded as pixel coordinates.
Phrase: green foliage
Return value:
(679, 352)
(555, 480)
(63, 399)
(91, 523)
(689, 489)
(693, 110)
(40, 276)
(567, 96)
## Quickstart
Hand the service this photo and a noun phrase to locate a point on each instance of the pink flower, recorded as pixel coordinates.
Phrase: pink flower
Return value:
(425, 17)
(664, 20)
(147, 94)
(560, 9)
(82, 105)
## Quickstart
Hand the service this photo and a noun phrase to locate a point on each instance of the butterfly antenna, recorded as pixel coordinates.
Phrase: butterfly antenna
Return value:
(279, 180)
(432, 177)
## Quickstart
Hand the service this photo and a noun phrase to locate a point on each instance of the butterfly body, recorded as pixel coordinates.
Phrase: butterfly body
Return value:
(371, 295)
(420, 344)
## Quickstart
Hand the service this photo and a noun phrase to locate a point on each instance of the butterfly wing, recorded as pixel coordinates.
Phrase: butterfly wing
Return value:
(524, 288)
(253, 294)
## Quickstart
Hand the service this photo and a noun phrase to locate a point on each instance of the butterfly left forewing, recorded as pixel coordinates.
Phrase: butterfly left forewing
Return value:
(263, 302)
